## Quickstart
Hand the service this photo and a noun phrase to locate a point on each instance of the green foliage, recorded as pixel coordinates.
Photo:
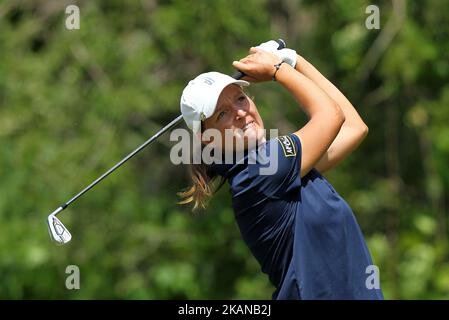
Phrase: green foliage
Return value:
(72, 103)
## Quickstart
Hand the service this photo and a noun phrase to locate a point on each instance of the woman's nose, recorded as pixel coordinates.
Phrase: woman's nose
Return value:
(240, 113)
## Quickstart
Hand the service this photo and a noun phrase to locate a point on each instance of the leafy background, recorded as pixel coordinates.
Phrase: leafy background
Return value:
(72, 103)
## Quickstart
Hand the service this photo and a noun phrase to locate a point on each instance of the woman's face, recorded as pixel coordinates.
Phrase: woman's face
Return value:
(237, 119)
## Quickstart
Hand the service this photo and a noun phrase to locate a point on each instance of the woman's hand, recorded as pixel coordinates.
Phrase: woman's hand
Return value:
(258, 66)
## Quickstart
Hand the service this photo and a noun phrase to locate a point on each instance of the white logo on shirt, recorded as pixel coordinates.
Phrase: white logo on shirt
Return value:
(287, 146)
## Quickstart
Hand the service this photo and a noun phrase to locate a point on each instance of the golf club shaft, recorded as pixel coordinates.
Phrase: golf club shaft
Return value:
(237, 75)
(129, 156)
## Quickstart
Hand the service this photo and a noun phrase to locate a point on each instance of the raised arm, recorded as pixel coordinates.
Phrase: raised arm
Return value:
(326, 117)
(353, 131)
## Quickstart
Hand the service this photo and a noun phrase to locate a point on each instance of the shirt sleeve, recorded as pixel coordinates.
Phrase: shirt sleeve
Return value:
(278, 167)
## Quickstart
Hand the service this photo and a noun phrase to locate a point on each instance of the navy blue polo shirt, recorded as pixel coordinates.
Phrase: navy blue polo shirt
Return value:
(301, 231)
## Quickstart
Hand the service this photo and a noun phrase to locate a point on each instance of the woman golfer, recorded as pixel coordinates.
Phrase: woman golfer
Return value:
(300, 230)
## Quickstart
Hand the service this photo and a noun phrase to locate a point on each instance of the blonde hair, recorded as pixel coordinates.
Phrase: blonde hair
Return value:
(203, 186)
(203, 181)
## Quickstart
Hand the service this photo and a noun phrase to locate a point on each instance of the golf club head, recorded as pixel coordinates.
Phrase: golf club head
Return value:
(58, 232)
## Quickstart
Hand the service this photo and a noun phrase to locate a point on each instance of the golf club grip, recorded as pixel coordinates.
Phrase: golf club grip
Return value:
(238, 75)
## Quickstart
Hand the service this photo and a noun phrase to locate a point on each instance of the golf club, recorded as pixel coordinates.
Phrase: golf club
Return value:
(58, 232)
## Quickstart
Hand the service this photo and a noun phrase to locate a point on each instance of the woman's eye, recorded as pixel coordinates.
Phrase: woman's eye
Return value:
(241, 98)
(220, 115)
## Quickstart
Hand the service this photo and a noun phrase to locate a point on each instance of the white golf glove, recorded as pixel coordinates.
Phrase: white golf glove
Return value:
(287, 55)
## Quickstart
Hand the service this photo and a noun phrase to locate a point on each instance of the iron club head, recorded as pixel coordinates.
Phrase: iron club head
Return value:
(58, 232)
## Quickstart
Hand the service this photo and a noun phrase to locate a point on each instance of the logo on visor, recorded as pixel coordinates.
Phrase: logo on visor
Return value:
(209, 81)
(287, 145)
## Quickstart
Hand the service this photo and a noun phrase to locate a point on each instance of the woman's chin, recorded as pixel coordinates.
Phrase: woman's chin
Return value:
(254, 133)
